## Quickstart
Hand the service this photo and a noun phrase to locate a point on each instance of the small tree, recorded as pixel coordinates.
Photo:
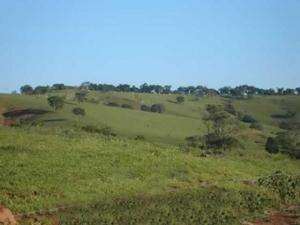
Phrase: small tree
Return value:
(220, 125)
(180, 99)
(56, 102)
(81, 96)
(26, 89)
(78, 111)
(39, 90)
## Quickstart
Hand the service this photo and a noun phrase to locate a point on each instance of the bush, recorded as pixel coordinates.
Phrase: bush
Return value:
(79, 111)
(256, 126)
(139, 138)
(230, 109)
(106, 131)
(214, 141)
(283, 184)
(159, 108)
(180, 99)
(248, 119)
(272, 146)
(113, 104)
(146, 108)
(127, 106)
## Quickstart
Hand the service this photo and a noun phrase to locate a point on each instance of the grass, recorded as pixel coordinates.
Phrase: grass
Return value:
(59, 164)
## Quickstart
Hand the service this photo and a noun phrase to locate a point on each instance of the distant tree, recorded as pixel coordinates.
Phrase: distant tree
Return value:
(180, 99)
(298, 90)
(289, 91)
(26, 89)
(280, 91)
(123, 87)
(80, 96)
(78, 111)
(40, 90)
(58, 87)
(225, 91)
(56, 102)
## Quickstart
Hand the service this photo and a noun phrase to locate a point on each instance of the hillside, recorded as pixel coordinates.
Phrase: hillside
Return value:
(49, 161)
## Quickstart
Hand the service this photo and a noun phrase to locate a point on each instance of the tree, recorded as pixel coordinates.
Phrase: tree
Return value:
(81, 96)
(220, 126)
(40, 90)
(180, 99)
(26, 89)
(56, 102)
(58, 87)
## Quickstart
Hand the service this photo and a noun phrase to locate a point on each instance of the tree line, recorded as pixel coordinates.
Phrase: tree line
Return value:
(238, 91)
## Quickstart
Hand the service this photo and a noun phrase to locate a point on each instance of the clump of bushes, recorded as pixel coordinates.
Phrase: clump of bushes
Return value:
(180, 99)
(106, 131)
(127, 106)
(248, 119)
(113, 104)
(282, 184)
(78, 111)
(146, 108)
(284, 142)
(256, 125)
(140, 138)
(159, 108)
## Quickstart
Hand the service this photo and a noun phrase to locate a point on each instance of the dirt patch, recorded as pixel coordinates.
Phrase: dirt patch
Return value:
(6, 216)
(289, 216)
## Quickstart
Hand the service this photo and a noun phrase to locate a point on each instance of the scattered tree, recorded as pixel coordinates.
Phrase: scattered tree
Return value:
(26, 89)
(81, 96)
(56, 102)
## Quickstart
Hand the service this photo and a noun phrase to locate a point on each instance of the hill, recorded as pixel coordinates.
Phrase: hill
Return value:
(49, 161)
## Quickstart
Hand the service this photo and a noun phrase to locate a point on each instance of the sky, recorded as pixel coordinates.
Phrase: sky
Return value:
(191, 42)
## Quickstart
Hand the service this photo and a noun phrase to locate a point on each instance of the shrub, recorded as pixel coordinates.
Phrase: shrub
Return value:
(113, 104)
(230, 109)
(81, 96)
(248, 119)
(145, 108)
(283, 184)
(211, 140)
(106, 131)
(127, 106)
(180, 99)
(139, 138)
(272, 146)
(256, 126)
(79, 111)
(159, 108)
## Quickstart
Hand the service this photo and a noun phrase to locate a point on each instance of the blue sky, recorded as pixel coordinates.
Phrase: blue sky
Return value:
(192, 42)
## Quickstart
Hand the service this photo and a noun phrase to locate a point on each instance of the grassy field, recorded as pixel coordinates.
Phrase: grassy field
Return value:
(110, 180)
